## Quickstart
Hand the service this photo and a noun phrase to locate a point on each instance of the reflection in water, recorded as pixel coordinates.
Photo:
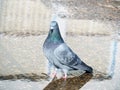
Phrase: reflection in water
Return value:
(74, 83)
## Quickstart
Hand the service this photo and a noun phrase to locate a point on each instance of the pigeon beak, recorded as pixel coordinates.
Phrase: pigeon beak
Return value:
(51, 28)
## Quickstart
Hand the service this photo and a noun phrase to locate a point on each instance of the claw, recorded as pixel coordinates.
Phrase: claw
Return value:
(65, 74)
(53, 74)
(65, 77)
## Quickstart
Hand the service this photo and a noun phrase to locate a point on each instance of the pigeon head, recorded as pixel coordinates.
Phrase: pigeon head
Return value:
(54, 33)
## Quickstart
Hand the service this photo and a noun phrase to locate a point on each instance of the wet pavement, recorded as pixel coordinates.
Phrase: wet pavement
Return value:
(74, 83)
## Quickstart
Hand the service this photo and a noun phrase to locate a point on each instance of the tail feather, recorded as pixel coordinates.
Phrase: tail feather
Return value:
(85, 67)
(89, 70)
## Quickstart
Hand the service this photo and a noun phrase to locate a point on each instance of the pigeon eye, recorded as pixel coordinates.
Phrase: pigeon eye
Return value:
(51, 30)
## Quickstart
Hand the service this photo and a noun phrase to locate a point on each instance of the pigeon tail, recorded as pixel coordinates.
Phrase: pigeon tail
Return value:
(85, 67)
(89, 70)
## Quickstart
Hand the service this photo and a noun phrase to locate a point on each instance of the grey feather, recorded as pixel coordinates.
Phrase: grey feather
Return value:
(59, 54)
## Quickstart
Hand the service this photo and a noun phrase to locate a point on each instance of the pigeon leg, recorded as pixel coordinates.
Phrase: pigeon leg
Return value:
(49, 66)
(65, 74)
(54, 73)
(51, 70)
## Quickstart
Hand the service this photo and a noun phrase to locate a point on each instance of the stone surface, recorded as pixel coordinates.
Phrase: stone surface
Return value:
(24, 16)
(19, 55)
(89, 27)
(112, 84)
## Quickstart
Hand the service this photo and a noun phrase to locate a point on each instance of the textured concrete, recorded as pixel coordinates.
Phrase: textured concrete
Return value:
(23, 16)
(20, 55)
(112, 84)
(89, 27)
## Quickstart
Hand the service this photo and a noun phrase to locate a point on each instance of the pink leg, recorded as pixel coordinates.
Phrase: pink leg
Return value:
(54, 73)
(65, 74)
(65, 77)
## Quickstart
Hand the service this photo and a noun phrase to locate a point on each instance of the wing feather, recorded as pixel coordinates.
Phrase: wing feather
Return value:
(65, 55)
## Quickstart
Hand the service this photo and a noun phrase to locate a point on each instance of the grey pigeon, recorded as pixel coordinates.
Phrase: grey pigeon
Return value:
(59, 54)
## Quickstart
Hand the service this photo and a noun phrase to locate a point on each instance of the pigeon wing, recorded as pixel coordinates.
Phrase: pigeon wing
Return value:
(66, 56)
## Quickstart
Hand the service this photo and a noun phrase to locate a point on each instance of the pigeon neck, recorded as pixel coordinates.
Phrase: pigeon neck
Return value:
(56, 38)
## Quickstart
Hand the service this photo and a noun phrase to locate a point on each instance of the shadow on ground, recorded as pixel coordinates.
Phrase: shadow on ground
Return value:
(74, 83)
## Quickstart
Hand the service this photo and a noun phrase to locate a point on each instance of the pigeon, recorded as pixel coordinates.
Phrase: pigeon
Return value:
(60, 55)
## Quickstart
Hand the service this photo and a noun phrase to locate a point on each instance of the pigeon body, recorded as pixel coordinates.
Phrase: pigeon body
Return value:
(59, 54)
